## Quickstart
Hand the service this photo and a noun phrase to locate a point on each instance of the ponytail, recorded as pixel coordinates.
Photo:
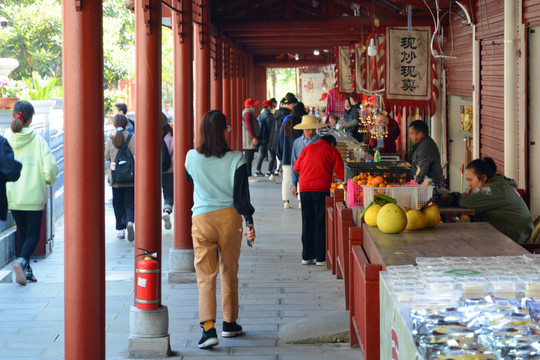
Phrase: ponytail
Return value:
(120, 123)
(22, 115)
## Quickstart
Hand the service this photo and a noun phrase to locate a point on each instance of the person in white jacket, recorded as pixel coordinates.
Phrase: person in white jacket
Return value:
(28, 195)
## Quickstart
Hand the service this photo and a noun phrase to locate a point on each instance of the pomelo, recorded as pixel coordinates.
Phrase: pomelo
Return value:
(404, 208)
(416, 220)
(433, 215)
(391, 219)
(370, 217)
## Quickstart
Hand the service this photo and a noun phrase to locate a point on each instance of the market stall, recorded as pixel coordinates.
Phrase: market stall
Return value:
(379, 251)
(461, 307)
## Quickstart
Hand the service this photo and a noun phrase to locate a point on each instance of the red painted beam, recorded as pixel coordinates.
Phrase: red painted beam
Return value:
(84, 258)
(216, 78)
(234, 98)
(227, 83)
(310, 27)
(183, 123)
(148, 137)
(290, 63)
(202, 67)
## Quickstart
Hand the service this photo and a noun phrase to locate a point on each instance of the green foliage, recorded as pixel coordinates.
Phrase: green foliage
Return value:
(41, 89)
(280, 82)
(33, 37)
(111, 98)
(167, 66)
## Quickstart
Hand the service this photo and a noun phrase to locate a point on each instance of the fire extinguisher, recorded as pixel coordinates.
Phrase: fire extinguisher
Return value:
(147, 281)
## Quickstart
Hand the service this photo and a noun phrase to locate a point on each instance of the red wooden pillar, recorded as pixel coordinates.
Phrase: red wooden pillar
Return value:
(183, 122)
(84, 259)
(148, 141)
(217, 82)
(234, 99)
(226, 80)
(240, 97)
(202, 67)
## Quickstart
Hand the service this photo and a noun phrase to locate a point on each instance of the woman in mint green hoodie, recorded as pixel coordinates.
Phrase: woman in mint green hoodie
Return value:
(28, 195)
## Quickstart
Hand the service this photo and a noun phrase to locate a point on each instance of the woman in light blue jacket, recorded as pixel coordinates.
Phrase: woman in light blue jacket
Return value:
(28, 195)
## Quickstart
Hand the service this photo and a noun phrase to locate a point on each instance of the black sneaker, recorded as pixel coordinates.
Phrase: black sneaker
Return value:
(231, 329)
(209, 339)
(258, 173)
(30, 275)
(268, 173)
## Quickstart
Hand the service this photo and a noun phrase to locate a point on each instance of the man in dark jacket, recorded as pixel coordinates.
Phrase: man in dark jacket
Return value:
(266, 122)
(426, 160)
(287, 105)
(10, 170)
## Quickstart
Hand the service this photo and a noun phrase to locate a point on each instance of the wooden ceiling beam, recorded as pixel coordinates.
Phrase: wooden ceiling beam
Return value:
(293, 40)
(308, 9)
(302, 27)
(290, 63)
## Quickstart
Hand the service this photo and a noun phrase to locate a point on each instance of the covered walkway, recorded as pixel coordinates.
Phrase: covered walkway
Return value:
(279, 297)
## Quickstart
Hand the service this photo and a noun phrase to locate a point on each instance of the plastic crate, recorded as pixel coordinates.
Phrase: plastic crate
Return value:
(387, 170)
(411, 196)
(355, 194)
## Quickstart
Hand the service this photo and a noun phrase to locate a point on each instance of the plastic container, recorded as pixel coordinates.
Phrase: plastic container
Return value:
(472, 287)
(411, 196)
(355, 194)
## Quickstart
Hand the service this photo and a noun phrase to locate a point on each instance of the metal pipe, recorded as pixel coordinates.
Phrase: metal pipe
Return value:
(84, 259)
(510, 90)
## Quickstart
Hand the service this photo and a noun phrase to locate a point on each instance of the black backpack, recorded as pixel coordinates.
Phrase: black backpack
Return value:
(124, 171)
(165, 156)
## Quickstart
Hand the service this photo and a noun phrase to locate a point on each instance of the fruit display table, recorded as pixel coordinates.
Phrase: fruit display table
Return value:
(463, 239)
(379, 250)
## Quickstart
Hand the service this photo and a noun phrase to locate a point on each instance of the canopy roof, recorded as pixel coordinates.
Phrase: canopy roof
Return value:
(275, 31)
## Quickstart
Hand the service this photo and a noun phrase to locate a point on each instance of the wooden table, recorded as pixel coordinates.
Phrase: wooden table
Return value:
(448, 211)
(450, 239)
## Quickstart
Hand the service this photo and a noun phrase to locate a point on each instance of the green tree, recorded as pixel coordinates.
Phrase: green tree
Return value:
(33, 36)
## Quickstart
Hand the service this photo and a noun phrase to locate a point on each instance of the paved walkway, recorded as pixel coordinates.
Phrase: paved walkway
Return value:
(277, 293)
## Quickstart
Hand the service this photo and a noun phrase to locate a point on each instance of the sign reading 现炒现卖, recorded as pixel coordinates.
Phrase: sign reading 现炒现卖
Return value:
(408, 67)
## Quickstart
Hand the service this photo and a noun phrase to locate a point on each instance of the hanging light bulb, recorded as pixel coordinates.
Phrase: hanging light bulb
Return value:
(372, 49)
(316, 52)
(296, 57)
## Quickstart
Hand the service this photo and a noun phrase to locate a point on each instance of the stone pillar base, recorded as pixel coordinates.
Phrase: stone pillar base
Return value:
(181, 268)
(149, 333)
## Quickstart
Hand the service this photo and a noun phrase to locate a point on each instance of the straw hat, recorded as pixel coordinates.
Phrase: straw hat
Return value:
(309, 122)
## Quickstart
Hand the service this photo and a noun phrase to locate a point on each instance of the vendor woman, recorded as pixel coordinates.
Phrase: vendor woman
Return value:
(495, 199)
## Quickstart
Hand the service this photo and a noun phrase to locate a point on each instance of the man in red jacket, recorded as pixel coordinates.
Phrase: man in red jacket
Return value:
(316, 165)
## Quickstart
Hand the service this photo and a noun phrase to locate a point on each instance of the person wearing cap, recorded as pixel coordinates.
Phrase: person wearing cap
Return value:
(287, 104)
(266, 121)
(309, 125)
(287, 136)
(250, 133)
(316, 165)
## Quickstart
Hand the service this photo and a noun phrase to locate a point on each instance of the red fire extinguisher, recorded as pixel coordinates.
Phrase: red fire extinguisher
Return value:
(147, 281)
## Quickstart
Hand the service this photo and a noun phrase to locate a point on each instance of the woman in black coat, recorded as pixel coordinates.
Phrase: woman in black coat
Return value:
(10, 170)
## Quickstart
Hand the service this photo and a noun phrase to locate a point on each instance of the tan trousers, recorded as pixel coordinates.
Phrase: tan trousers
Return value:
(216, 235)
